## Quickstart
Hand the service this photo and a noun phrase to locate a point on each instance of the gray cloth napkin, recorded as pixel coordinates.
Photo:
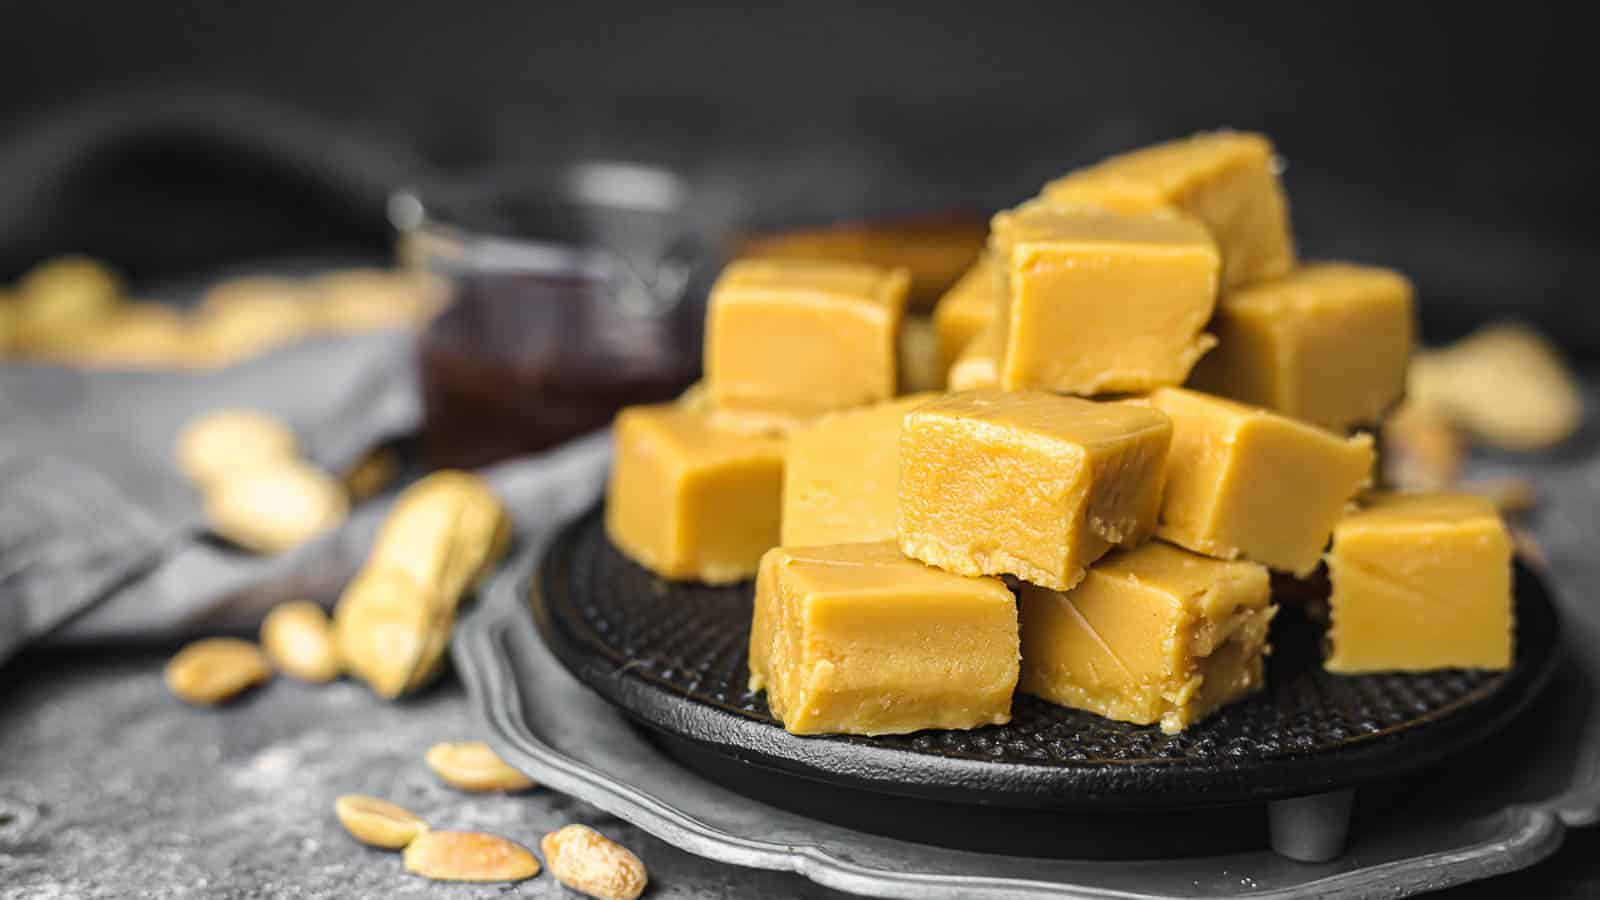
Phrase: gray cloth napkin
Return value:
(102, 539)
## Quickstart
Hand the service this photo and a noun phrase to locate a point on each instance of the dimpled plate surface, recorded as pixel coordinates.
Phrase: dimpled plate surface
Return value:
(673, 657)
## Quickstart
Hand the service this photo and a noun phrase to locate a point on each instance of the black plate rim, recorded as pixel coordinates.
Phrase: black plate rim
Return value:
(1150, 784)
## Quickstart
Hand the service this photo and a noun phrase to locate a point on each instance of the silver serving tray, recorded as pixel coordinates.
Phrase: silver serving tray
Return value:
(1500, 809)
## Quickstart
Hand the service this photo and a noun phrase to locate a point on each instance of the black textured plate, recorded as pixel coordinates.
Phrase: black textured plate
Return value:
(673, 657)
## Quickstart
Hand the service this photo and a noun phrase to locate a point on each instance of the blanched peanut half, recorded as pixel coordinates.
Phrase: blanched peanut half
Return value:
(469, 856)
(299, 640)
(226, 442)
(215, 670)
(275, 507)
(472, 766)
(378, 823)
(588, 862)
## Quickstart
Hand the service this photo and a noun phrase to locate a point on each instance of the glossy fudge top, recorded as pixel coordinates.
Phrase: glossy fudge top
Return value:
(686, 434)
(876, 568)
(1044, 221)
(817, 281)
(1047, 418)
(1153, 176)
(1405, 512)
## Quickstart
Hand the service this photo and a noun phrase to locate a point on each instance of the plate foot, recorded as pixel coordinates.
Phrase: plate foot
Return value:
(1310, 829)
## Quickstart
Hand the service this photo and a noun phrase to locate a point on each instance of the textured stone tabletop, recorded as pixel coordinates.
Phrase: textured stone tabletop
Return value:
(110, 788)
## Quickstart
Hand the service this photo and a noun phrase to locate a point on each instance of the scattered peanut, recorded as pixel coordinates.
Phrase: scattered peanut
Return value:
(8, 321)
(138, 335)
(226, 442)
(1506, 384)
(276, 507)
(473, 766)
(441, 538)
(446, 531)
(367, 478)
(244, 317)
(299, 640)
(359, 300)
(919, 356)
(378, 823)
(215, 670)
(588, 862)
(469, 856)
(60, 298)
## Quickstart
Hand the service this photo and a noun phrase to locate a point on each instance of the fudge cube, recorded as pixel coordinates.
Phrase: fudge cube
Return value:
(978, 365)
(808, 337)
(1242, 481)
(688, 500)
(967, 307)
(1420, 581)
(857, 639)
(1155, 634)
(1027, 483)
(1226, 179)
(919, 356)
(841, 476)
(1100, 302)
(1327, 344)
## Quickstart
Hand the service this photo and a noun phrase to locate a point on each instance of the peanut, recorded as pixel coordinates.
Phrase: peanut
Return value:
(440, 539)
(1506, 384)
(61, 298)
(367, 478)
(276, 507)
(378, 823)
(215, 670)
(226, 442)
(387, 629)
(446, 531)
(473, 766)
(299, 640)
(468, 856)
(588, 862)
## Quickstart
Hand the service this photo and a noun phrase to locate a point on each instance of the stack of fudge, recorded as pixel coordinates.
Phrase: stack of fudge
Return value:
(1150, 404)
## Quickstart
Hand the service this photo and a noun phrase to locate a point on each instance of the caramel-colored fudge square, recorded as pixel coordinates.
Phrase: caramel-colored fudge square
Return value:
(978, 365)
(967, 307)
(1155, 634)
(1327, 344)
(1027, 483)
(1242, 481)
(1101, 302)
(1226, 179)
(804, 336)
(919, 356)
(1420, 581)
(691, 501)
(841, 476)
(857, 639)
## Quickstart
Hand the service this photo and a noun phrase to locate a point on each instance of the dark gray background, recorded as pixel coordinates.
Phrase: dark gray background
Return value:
(1449, 140)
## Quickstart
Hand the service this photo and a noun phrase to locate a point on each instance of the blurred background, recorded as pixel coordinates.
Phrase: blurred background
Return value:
(167, 139)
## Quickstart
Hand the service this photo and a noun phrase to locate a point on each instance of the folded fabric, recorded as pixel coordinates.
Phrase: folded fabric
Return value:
(92, 506)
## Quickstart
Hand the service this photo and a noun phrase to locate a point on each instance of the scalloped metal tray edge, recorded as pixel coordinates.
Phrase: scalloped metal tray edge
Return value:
(508, 671)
